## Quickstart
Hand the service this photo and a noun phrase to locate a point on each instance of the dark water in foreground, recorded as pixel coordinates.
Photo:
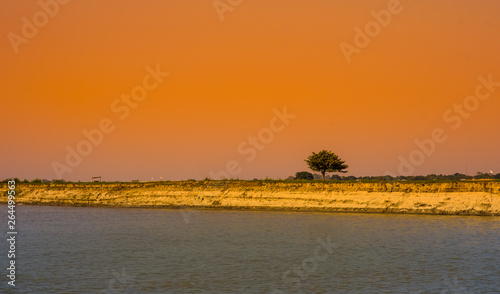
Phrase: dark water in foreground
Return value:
(106, 250)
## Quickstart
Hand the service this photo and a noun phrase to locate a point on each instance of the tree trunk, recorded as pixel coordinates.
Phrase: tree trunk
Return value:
(323, 174)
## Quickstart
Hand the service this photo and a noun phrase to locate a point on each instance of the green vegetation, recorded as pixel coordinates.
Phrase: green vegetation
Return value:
(419, 178)
(303, 175)
(326, 161)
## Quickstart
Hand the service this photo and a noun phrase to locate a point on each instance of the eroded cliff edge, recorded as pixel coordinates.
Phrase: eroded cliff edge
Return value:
(463, 198)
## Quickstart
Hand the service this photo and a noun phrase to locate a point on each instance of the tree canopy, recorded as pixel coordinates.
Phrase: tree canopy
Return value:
(304, 175)
(326, 161)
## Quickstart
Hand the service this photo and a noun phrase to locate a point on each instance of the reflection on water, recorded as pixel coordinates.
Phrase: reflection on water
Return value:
(106, 250)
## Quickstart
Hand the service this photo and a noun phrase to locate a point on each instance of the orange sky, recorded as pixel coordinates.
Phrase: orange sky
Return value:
(226, 77)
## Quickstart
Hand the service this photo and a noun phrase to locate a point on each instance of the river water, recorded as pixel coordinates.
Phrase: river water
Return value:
(115, 250)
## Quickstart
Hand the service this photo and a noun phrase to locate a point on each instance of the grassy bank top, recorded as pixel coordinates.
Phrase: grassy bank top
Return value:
(272, 186)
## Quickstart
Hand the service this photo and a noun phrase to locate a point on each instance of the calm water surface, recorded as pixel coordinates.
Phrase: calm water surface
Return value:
(107, 250)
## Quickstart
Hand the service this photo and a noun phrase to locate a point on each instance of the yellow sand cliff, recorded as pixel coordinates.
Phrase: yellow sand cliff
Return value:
(466, 198)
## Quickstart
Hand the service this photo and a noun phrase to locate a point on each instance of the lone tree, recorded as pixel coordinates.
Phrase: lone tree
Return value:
(326, 161)
(304, 175)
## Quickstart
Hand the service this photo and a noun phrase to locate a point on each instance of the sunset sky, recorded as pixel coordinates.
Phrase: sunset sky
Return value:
(232, 66)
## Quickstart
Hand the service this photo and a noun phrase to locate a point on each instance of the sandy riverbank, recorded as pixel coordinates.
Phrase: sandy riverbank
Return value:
(463, 198)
